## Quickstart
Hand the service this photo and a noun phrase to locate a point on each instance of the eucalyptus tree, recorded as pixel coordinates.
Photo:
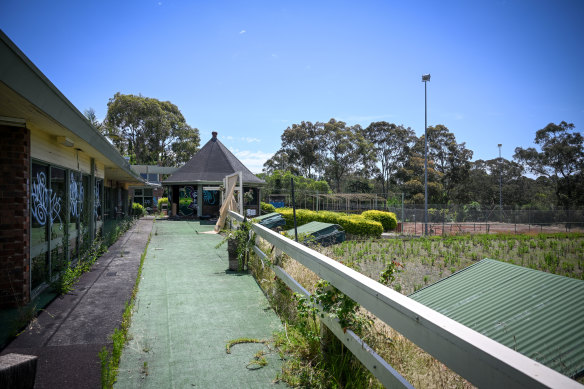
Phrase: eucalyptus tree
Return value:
(302, 144)
(150, 131)
(391, 145)
(451, 159)
(561, 159)
(279, 161)
(345, 151)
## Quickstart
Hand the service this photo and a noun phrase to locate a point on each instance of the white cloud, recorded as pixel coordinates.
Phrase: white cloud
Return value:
(251, 140)
(242, 32)
(229, 137)
(253, 160)
(160, 3)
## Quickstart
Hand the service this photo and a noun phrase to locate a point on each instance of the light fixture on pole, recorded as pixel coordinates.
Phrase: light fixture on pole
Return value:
(500, 186)
(425, 79)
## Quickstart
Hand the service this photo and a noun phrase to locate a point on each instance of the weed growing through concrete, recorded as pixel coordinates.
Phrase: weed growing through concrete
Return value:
(110, 361)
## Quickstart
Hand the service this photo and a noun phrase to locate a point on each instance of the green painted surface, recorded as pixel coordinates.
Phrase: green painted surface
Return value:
(535, 313)
(322, 233)
(316, 228)
(188, 307)
(271, 220)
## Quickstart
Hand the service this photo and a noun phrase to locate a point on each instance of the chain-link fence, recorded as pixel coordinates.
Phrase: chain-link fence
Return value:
(442, 218)
(452, 219)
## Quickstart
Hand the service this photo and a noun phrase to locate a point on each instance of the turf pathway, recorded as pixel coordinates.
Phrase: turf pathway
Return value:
(188, 307)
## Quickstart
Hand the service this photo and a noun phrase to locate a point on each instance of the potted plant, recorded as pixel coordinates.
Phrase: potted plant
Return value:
(240, 243)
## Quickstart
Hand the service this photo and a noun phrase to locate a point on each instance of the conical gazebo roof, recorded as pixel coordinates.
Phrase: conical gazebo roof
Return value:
(210, 165)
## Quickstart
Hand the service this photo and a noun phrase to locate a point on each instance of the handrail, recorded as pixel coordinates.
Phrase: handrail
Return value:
(479, 359)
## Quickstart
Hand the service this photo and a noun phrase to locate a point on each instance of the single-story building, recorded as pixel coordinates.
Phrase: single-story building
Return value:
(61, 181)
(195, 188)
(149, 193)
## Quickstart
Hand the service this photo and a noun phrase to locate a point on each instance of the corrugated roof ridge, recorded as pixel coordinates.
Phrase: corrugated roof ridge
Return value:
(445, 278)
(499, 263)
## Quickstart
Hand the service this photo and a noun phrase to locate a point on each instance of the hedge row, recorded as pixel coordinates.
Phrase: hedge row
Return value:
(267, 207)
(352, 224)
(387, 219)
(138, 210)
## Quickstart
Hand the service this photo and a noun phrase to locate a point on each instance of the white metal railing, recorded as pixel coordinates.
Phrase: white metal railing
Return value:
(479, 359)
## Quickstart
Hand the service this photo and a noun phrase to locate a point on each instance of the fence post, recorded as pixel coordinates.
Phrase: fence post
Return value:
(402, 207)
(294, 209)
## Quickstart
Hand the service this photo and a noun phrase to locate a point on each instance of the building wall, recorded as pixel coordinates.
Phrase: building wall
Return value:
(52, 204)
(45, 147)
(14, 216)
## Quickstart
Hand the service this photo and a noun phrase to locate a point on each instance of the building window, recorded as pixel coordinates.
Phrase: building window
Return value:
(61, 214)
(58, 228)
(41, 213)
(187, 200)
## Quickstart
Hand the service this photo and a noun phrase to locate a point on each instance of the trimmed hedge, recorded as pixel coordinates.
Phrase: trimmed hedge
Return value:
(267, 208)
(387, 219)
(138, 210)
(162, 200)
(352, 224)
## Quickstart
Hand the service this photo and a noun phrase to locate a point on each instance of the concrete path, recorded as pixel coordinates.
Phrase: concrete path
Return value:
(188, 307)
(68, 335)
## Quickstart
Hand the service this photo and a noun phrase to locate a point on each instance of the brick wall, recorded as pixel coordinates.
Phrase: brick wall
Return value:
(14, 216)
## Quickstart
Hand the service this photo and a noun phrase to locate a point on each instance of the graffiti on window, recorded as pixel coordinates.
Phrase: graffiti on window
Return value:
(188, 201)
(97, 202)
(46, 206)
(75, 196)
(210, 197)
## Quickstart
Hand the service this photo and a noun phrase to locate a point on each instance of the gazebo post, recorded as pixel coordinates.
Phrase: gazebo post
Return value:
(199, 200)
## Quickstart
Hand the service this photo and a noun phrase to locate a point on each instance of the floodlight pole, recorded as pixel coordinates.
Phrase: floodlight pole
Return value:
(425, 79)
(500, 186)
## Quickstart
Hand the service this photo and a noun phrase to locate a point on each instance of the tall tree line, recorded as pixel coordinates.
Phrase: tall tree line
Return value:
(389, 158)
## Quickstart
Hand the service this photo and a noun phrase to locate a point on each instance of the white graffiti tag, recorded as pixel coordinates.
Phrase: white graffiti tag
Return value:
(45, 204)
(97, 202)
(75, 196)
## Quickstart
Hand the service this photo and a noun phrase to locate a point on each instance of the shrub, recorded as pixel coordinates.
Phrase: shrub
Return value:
(387, 219)
(162, 200)
(267, 208)
(138, 210)
(352, 224)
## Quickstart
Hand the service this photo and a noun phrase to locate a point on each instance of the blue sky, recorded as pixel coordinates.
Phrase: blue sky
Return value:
(500, 70)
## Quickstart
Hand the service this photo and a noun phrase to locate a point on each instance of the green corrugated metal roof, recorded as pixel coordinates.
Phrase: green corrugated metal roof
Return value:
(316, 228)
(271, 220)
(538, 314)
(266, 216)
(322, 233)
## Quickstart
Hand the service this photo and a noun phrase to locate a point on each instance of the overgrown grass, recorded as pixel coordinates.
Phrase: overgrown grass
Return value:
(426, 260)
(68, 277)
(313, 357)
(421, 261)
(110, 359)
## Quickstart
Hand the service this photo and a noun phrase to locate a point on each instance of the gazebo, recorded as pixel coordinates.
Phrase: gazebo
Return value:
(194, 190)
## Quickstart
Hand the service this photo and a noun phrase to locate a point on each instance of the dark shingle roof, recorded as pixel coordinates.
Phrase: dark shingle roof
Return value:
(211, 164)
